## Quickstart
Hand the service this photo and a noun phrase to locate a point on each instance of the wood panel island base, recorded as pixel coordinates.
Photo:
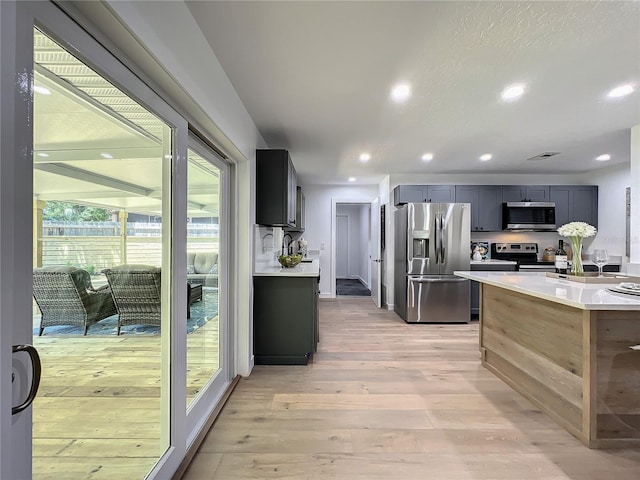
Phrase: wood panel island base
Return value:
(566, 347)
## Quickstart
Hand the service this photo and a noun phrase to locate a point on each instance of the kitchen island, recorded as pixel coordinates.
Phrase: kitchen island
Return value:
(566, 346)
(285, 313)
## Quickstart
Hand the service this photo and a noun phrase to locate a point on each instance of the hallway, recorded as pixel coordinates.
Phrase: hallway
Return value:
(387, 400)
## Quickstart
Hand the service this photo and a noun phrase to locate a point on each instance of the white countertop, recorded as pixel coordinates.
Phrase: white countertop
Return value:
(274, 269)
(586, 296)
(493, 261)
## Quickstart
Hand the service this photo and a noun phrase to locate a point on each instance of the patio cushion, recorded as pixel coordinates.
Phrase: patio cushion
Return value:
(200, 268)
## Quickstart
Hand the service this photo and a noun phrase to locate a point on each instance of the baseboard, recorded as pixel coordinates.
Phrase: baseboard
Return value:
(363, 282)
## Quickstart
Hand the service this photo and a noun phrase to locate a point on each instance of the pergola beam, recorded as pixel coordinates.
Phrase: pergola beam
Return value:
(85, 176)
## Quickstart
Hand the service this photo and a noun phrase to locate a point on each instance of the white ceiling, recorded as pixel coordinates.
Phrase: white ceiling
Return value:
(316, 76)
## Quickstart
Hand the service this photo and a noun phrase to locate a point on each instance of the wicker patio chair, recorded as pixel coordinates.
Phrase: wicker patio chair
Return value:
(65, 296)
(136, 292)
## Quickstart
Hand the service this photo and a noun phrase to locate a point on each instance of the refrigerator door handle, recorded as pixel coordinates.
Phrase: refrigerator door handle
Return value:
(443, 232)
(436, 239)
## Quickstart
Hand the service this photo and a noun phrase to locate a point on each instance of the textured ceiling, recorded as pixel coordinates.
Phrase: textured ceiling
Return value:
(316, 76)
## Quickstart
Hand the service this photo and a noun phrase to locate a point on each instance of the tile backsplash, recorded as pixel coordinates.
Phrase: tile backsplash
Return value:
(543, 239)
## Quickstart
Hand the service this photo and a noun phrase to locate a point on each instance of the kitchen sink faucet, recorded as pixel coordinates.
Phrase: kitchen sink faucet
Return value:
(286, 247)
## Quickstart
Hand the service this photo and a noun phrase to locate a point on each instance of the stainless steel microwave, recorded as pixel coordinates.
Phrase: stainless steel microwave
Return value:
(537, 216)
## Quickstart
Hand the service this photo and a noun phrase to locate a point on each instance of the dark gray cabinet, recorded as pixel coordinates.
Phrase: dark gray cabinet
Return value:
(423, 193)
(475, 286)
(525, 193)
(285, 319)
(486, 206)
(575, 203)
(610, 267)
(276, 189)
(300, 215)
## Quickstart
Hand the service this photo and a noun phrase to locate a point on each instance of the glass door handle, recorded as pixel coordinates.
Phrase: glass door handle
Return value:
(36, 368)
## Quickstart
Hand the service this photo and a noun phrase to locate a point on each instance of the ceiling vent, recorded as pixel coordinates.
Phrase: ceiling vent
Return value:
(544, 155)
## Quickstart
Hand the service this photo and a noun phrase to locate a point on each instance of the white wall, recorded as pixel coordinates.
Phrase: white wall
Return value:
(320, 200)
(634, 181)
(612, 183)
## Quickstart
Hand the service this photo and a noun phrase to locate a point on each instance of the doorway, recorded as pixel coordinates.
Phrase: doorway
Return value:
(353, 230)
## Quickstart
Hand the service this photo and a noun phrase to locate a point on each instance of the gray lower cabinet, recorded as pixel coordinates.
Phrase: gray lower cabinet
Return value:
(285, 319)
(611, 267)
(475, 286)
(575, 203)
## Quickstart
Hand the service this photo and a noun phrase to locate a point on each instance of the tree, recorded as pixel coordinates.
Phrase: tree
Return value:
(73, 212)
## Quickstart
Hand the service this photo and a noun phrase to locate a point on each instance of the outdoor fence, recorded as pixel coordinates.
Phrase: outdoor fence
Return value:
(97, 245)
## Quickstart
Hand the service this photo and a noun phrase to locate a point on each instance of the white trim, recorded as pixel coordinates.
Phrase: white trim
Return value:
(206, 402)
(334, 202)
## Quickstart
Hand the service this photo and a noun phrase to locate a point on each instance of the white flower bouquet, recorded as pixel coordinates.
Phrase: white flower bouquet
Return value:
(576, 231)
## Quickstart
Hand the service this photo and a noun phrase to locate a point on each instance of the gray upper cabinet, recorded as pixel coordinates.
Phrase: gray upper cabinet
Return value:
(575, 203)
(486, 206)
(525, 193)
(423, 193)
(300, 216)
(276, 189)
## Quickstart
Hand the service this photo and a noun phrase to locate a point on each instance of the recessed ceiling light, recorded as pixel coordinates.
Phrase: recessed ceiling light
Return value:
(365, 157)
(42, 90)
(513, 92)
(352, 179)
(42, 154)
(604, 157)
(486, 157)
(106, 155)
(427, 157)
(401, 92)
(621, 91)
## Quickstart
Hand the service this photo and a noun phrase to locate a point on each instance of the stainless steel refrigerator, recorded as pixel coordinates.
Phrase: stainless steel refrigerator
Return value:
(432, 240)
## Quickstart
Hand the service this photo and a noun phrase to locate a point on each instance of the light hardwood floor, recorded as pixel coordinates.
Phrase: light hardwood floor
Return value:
(387, 400)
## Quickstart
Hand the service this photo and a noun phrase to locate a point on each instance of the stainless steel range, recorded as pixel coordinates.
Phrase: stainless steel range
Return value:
(526, 254)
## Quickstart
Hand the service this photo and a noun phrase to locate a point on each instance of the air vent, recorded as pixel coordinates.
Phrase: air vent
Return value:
(544, 155)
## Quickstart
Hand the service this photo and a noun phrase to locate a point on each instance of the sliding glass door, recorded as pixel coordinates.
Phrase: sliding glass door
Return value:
(207, 262)
(101, 278)
(93, 202)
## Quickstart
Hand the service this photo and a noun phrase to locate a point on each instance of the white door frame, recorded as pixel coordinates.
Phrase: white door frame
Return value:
(15, 234)
(17, 20)
(375, 253)
(201, 408)
(334, 203)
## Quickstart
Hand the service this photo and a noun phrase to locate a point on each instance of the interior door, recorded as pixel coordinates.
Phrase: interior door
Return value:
(375, 255)
(342, 246)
